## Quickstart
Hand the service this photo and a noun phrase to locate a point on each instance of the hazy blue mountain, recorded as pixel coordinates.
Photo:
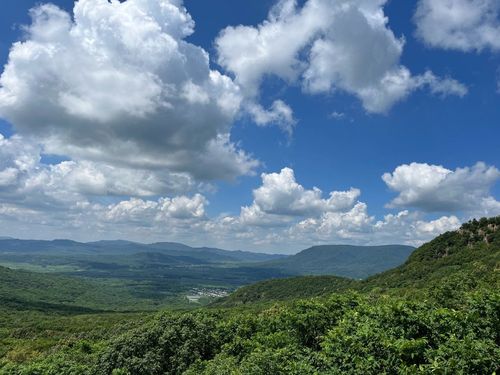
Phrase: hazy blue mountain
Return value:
(343, 260)
(119, 247)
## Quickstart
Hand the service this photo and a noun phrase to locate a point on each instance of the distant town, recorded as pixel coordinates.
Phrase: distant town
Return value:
(198, 293)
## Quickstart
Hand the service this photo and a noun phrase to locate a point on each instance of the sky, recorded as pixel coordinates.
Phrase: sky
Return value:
(259, 125)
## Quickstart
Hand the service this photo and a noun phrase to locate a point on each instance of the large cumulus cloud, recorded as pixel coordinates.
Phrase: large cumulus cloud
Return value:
(285, 215)
(434, 188)
(118, 83)
(327, 45)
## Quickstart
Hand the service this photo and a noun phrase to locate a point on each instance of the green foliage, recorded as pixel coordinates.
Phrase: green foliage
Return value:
(129, 275)
(442, 269)
(439, 313)
(31, 340)
(343, 260)
(270, 291)
(344, 334)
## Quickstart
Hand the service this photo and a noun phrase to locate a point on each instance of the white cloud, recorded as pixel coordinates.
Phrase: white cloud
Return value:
(184, 207)
(58, 201)
(436, 227)
(66, 199)
(149, 212)
(270, 48)
(132, 210)
(279, 114)
(433, 188)
(352, 225)
(280, 194)
(337, 115)
(119, 84)
(358, 227)
(409, 228)
(284, 214)
(327, 44)
(465, 25)
(23, 177)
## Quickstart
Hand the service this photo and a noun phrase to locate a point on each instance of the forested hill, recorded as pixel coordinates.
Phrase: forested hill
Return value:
(270, 291)
(343, 260)
(470, 255)
(380, 327)
(466, 258)
(31, 291)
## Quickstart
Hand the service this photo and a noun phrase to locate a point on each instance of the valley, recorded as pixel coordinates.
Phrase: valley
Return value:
(149, 276)
(438, 311)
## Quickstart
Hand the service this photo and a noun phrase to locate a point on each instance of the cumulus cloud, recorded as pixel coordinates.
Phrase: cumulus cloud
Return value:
(358, 227)
(279, 113)
(466, 25)
(24, 178)
(118, 83)
(410, 228)
(280, 194)
(326, 45)
(146, 212)
(352, 225)
(67, 198)
(284, 215)
(281, 201)
(284, 212)
(433, 188)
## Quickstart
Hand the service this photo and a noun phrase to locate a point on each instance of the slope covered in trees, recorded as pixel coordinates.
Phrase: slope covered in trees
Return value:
(378, 328)
(31, 291)
(464, 259)
(356, 262)
(468, 257)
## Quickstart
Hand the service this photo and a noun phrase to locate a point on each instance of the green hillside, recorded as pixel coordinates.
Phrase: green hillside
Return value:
(356, 262)
(439, 313)
(30, 291)
(466, 258)
(286, 289)
(142, 276)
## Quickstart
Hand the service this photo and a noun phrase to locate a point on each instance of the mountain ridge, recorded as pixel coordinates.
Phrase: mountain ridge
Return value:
(467, 257)
(343, 260)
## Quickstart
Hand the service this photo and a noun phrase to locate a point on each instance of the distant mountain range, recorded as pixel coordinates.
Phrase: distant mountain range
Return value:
(454, 261)
(339, 260)
(120, 247)
(343, 260)
(122, 275)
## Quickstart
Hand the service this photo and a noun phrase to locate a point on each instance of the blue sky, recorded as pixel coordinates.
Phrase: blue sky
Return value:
(338, 141)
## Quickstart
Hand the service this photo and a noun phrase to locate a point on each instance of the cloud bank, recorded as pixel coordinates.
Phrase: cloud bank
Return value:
(326, 46)
(66, 199)
(433, 188)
